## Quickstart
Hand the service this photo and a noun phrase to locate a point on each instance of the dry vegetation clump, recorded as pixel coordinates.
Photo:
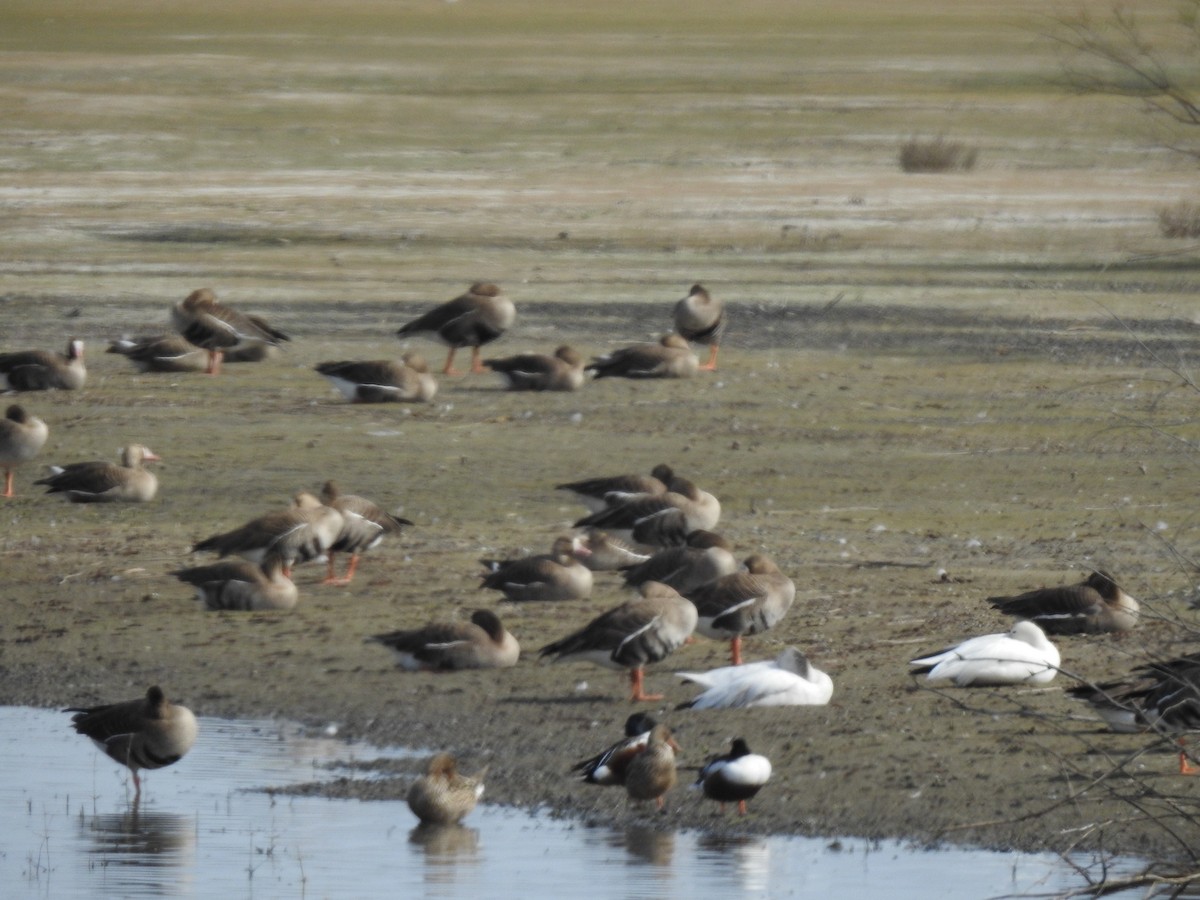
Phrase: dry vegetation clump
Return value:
(937, 155)
(1180, 220)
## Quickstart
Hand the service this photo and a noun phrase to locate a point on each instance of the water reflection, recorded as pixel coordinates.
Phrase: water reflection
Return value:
(138, 852)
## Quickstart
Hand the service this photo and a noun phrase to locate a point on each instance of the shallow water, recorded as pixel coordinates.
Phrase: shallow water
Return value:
(67, 830)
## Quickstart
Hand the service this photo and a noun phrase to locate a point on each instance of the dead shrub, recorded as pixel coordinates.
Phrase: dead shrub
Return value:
(1180, 220)
(937, 155)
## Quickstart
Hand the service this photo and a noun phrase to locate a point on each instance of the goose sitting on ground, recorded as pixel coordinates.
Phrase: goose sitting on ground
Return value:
(610, 490)
(22, 437)
(788, 680)
(204, 321)
(735, 777)
(104, 482)
(651, 773)
(608, 766)
(669, 357)
(703, 559)
(603, 552)
(161, 353)
(442, 796)
(540, 372)
(43, 370)
(701, 319)
(474, 319)
(482, 643)
(382, 380)
(744, 603)
(240, 585)
(1022, 655)
(662, 520)
(364, 526)
(550, 577)
(1096, 604)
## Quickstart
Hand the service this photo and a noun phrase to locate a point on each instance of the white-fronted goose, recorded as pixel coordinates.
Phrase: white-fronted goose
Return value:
(298, 533)
(603, 552)
(364, 526)
(609, 490)
(161, 353)
(104, 482)
(147, 733)
(608, 767)
(442, 796)
(539, 371)
(242, 585)
(663, 520)
(1022, 655)
(482, 643)
(473, 319)
(22, 437)
(382, 380)
(705, 557)
(553, 576)
(670, 357)
(788, 680)
(219, 329)
(735, 777)
(652, 772)
(43, 370)
(743, 603)
(1095, 605)
(631, 636)
(701, 319)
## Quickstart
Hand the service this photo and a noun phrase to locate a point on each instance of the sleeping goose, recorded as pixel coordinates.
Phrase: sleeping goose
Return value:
(603, 552)
(218, 328)
(743, 603)
(43, 370)
(442, 796)
(481, 643)
(705, 557)
(22, 437)
(242, 585)
(364, 526)
(1022, 655)
(382, 380)
(473, 319)
(788, 680)
(609, 490)
(662, 520)
(557, 575)
(669, 357)
(540, 372)
(104, 482)
(701, 319)
(161, 353)
(1096, 604)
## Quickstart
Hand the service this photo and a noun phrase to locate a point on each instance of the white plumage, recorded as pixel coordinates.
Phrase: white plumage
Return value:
(1022, 655)
(788, 680)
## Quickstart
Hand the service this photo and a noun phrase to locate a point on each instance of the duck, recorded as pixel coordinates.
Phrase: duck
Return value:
(44, 370)
(603, 552)
(563, 371)
(662, 520)
(442, 796)
(364, 526)
(744, 603)
(701, 319)
(206, 322)
(558, 575)
(161, 353)
(382, 380)
(481, 643)
(788, 680)
(1095, 605)
(1022, 655)
(607, 768)
(147, 733)
(735, 777)
(641, 631)
(243, 586)
(473, 319)
(704, 557)
(104, 482)
(600, 493)
(669, 357)
(651, 773)
(22, 437)
(299, 533)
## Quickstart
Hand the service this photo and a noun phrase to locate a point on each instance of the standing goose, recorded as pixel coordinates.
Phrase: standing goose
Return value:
(701, 319)
(43, 370)
(298, 533)
(743, 603)
(1022, 655)
(382, 380)
(608, 767)
(539, 372)
(670, 357)
(218, 328)
(1096, 604)
(663, 520)
(609, 490)
(442, 796)
(558, 575)
(482, 643)
(735, 777)
(22, 437)
(788, 680)
(161, 353)
(148, 733)
(242, 585)
(105, 482)
(640, 631)
(473, 319)
(652, 772)
(364, 526)
(705, 557)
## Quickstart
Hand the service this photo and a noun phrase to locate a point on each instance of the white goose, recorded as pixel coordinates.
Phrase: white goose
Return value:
(788, 680)
(1022, 655)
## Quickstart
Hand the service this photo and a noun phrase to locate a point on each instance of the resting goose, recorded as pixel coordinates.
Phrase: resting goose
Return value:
(364, 526)
(662, 520)
(1022, 655)
(735, 777)
(241, 585)
(788, 680)
(482, 643)
(219, 329)
(704, 558)
(701, 319)
(744, 603)
(442, 796)
(161, 353)
(540, 372)
(651, 773)
(600, 493)
(22, 437)
(670, 357)
(558, 575)
(148, 733)
(298, 533)
(105, 482)
(43, 370)
(1096, 604)
(609, 765)
(640, 631)
(473, 319)
(382, 380)
(602, 552)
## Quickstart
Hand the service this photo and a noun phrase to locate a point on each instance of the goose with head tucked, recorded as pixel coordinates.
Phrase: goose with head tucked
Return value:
(700, 318)
(473, 319)
(104, 482)
(240, 585)
(562, 371)
(788, 680)
(406, 380)
(669, 357)
(22, 437)
(161, 353)
(662, 520)
(44, 370)
(1022, 655)
(443, 796)
(604, 552)
(1095, 605)
(550, 577)
(745, 603)
(705, 557)
(481, 643)
(610, 490)
(206, 322)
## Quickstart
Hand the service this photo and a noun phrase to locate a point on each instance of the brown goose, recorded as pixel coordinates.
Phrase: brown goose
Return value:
(701, 319)
(704, 557)
(105, 482)
(663, 520)
(473, 319)
(602, 552)
(743, 603)
(671, 357)
(442, 796)
(298, 533)
(22, 437)
(148, 733)
(1095, 605)
(218, 328)
(608, 490)
(42, 370)
(382, 380)
(161, 353)
(364, 526)
(640, 631)
(242, 585)
(482, 643)
(557, 575)
(652, 772)
(539, 372)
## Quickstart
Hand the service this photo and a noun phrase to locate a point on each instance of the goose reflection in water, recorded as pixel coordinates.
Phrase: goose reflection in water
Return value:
(646, 845)
(142, 853)
(447, 849)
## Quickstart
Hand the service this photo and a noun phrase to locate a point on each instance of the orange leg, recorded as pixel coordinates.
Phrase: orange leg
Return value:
(348, 577)
(476, 363)
(637, 680)
(741, 807)
(330, 577)
(711, 365)
(448, 368)
(214, 362)
(8, 491)
(735, 650)
(1185, 764)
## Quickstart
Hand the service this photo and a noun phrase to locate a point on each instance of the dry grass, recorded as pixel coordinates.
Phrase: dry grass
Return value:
(937, 155)
(1180, 220)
